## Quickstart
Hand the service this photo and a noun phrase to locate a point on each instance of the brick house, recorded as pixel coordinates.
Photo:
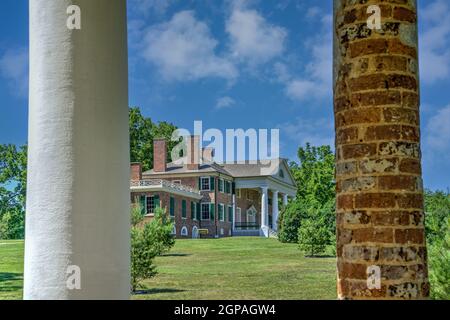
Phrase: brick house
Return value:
(229, 199)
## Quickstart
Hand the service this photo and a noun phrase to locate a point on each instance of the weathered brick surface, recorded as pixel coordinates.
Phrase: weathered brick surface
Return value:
(378, 171)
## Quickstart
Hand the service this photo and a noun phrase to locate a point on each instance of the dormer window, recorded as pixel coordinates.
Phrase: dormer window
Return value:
(281, 173)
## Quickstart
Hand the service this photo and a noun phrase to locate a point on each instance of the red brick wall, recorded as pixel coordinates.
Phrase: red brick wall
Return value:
(378, 172)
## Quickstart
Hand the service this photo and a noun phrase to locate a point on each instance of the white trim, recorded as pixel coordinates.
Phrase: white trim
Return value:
(201, 183)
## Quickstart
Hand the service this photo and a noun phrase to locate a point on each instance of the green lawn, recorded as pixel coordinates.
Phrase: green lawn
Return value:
(11, 269)
(224, 269)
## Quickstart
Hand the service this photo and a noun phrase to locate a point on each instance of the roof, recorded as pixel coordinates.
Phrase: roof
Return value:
(234, 169)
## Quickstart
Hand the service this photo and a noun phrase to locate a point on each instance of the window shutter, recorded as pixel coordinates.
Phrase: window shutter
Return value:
(233, 187)
(192, 210)
(211, 211)
(157, 201)
(183, 209)
(200, 183)
(211, 183)
(142, 204)
(172, 207)
(230, 214)
(198, 211)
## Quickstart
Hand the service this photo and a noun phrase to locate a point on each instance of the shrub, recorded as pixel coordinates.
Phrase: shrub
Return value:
(313, 236)
(439, 263)
(148, 240)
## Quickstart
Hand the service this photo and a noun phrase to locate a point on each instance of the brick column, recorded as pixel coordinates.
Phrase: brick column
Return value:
(380, 217)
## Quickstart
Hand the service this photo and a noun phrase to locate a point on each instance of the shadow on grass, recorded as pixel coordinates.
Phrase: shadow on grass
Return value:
(320, 257)
(175, 255)
(156, 291)
(6, 280)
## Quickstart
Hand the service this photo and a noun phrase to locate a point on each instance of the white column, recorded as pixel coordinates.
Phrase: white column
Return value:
(78, 160)
(275, 210)
(264, 211)
(285, 200)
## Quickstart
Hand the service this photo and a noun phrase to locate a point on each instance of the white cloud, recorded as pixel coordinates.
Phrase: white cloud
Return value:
(435, 42)
(252, 38)
(316, 81)
(14, 69)
(184, 49)
(438, 132)
(225, 102)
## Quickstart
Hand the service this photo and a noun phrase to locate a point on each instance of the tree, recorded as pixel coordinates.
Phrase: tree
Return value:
(13, 176)
(437, 212)
(439, 262)
(314, 175)
(313, 236)
(142, 133)
(148, 240)
(142, 253)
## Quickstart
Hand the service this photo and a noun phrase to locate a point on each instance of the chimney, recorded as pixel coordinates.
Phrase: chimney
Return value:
(208, 155)
(193, 152)
(159, 155)
(136, 171)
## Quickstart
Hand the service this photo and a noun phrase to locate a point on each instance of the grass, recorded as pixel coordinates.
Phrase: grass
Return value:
(11, 270)
(223, 269)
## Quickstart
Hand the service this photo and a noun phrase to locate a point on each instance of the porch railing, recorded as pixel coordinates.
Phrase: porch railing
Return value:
(163, 183)
(247, 226)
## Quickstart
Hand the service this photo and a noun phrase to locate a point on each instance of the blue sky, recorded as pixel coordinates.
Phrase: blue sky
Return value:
(240, 64)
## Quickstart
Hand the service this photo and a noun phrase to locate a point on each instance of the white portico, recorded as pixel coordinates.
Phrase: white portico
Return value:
(272, 188)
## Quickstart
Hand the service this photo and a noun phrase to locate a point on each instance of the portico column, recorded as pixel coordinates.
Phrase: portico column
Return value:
(275, 210)
(285, 200)
(264, 211)
(77, 242)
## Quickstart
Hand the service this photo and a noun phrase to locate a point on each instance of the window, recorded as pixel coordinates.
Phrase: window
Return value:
(184, 232)
(183, 209)
(230, 213)
(205, 211)
(221, 182)
(281, 173)
(176, 181)
(151, 203)
(238, 214)
(205, 184)
(174, 230)
(172, 206)
(238, 193)
(221, 212)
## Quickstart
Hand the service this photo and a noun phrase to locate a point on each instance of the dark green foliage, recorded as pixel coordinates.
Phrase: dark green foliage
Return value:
(148, 240)
(439, 264)
(437, 212)
(437, 227)
(13, 176)
(142, 133)
(313, 236)
(314, 175)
